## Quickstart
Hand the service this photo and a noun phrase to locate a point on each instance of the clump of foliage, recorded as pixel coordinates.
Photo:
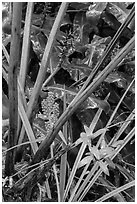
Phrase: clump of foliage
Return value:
(68, 98)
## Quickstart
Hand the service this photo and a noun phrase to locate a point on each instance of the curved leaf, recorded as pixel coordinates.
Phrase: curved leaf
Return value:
(85, 160)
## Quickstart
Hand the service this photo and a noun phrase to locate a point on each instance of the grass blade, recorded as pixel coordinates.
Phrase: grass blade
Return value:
(75, 166)
(28, 128)
(26, 44)
(126, 140)
(55, 173)
(44, 62)
(109, 48)
(96, 175)
(124, 126)
(63, 164)
(116, 191)
(78, 183)
(86, 181)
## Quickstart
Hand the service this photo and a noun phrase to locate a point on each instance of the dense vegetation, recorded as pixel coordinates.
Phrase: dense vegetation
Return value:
(68, 98)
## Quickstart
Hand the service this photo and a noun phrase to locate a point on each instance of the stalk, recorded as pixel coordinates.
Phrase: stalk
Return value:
(12, 81)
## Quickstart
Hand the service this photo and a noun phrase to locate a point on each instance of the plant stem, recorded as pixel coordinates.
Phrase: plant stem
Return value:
(44, 63)
(12, 81)
(26, 44)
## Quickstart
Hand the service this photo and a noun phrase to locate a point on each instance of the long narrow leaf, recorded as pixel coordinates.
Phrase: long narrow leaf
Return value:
(109, 48)
(63, 164)
(114, 112)
(85, 188)
(95, 119)
(124, 126)
(126, 140)
(116, 191)
(77, 187)
(26, 44)
(119, 197)
(75, 166)
(55, 173)
(28, 128)
(44, 62)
